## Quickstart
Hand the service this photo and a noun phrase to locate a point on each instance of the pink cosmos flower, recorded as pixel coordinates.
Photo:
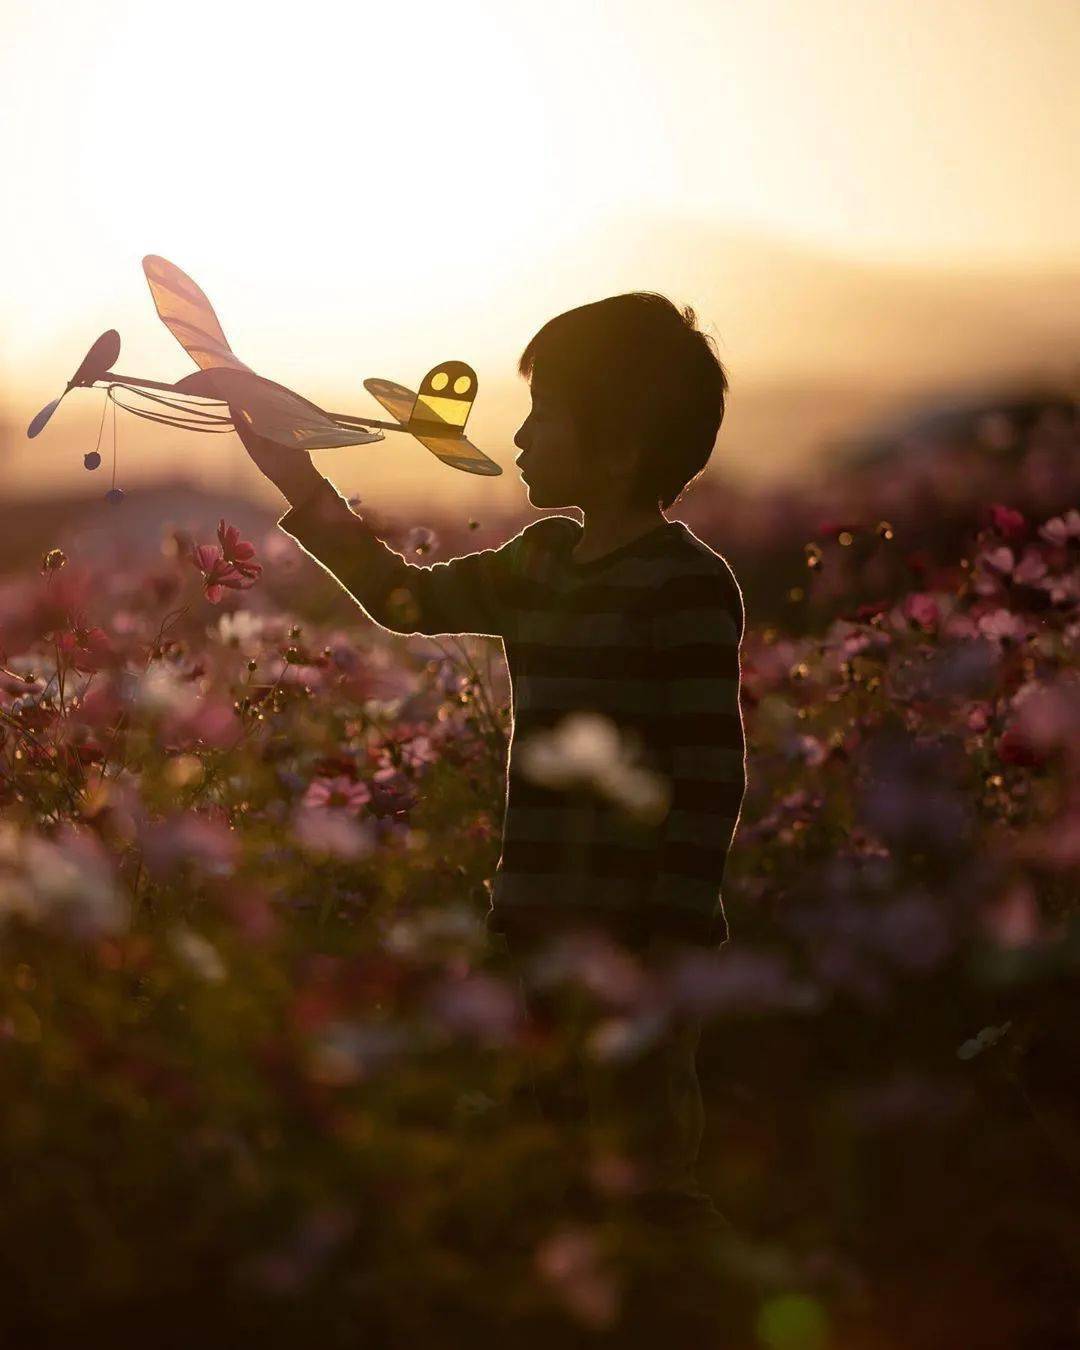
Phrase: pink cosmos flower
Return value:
(240, 552)
(1013, 920)
(218, 572)
(337, 792)
(571, 1263)
(1048, 716)
(1030, 568)
(332, 831)
(959, 626)
(1062, 590)
(207, 721)
(1008, 523)
(230, 565)
(1061, 529)
(203, 840)
(978, 717)
(922, 609)
(1001, 560)
(88, 648)
(1014, 748)
(812, 750)
(1000, 625)
(417, 751)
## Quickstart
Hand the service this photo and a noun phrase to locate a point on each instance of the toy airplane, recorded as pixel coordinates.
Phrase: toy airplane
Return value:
(224, 390)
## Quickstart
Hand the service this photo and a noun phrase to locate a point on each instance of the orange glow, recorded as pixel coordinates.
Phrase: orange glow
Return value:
(852, 196)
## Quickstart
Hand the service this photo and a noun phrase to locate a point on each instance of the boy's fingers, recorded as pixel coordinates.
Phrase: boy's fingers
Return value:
(256, 444)
(244, 431)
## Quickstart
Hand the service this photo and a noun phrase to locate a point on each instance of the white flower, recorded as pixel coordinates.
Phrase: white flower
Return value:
(197, 952)
(162, 690)
(586, 750)
(454, 923)
(987, 1037)
(641, 793)
(17, 897)
(240, 628)
(73, 882)
(346, 1051)
(332, 832)
(10, 835)
(621, 1038)
(421, 540)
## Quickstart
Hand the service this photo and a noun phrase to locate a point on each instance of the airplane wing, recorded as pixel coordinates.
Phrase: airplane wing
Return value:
(268, 408)
(273, 411)
(189, 316)
(449, 446)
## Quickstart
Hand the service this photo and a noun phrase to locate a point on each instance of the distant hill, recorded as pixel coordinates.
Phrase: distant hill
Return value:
(788, 312)
(818, 345)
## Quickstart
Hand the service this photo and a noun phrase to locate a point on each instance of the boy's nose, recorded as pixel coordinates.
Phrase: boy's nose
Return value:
(519, 438)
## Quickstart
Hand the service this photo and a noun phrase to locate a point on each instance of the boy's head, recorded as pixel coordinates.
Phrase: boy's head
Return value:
(628, 396)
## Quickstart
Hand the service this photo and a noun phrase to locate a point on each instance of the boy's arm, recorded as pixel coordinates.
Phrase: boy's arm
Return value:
(466, 595)
(697, 630)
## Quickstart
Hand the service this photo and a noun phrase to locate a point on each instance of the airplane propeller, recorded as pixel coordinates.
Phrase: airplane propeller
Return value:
(97, 362)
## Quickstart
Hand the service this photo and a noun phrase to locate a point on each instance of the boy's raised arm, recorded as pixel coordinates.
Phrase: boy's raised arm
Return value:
(697, 630)
(470, 594)
(465, 595)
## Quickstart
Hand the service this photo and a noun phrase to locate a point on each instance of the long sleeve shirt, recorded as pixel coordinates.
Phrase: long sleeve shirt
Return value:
(648, 636)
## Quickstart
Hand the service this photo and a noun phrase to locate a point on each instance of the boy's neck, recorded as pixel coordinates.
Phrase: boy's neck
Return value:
(606, 530)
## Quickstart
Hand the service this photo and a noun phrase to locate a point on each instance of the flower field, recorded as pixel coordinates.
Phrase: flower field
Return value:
(265, 1075)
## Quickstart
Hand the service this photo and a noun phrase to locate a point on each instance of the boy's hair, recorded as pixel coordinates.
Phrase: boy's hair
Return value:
(635, 361)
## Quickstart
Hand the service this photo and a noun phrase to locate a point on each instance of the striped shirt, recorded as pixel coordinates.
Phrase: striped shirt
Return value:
(648, 636)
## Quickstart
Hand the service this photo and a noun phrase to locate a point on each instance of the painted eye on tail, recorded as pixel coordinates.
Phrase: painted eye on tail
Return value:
(447, 393)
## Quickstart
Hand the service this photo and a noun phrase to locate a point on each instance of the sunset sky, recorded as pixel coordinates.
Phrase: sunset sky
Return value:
(365, 190)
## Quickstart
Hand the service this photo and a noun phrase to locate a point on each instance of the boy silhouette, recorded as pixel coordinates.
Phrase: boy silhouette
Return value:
(629, 615)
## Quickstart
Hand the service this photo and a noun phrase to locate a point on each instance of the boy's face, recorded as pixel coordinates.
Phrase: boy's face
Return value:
(556, 467)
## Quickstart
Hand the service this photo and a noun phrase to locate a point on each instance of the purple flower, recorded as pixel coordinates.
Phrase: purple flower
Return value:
(708, 982)
(476, 1005)
(337, 792)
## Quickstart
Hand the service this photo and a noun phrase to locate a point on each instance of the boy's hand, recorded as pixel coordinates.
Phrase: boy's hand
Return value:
(291, 471)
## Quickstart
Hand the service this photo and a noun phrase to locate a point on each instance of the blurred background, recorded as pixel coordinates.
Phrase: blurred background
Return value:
(874, 212)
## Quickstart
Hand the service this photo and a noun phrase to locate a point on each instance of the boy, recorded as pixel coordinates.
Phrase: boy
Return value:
(630, 616)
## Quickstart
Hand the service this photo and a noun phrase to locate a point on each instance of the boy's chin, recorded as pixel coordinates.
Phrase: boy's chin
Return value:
(544, 501)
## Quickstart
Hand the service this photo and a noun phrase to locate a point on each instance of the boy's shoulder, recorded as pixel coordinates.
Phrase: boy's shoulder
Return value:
(547, 535)
(530, 556)
(692, 567)
(552, 527)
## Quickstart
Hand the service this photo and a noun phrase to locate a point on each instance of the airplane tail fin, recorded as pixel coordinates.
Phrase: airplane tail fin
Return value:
(444, 401)
(438, 427)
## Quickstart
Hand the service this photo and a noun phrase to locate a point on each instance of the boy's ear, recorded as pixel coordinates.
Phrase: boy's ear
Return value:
(622, 464)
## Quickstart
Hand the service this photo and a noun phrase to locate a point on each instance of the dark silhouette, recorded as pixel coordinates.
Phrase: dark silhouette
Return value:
(631, 618)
